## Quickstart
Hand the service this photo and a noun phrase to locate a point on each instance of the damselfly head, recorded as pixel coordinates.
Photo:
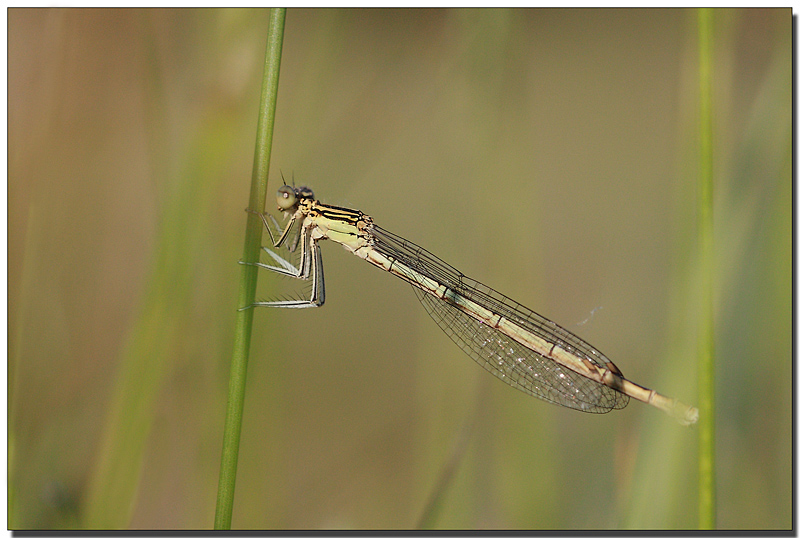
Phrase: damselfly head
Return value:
(288, 197)
(304, 193)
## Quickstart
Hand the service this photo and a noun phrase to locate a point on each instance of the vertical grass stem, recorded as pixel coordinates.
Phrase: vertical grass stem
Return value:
(706, 459)
(247, 287)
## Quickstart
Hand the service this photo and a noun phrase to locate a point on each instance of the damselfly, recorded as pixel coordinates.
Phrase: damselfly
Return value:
(517, 345)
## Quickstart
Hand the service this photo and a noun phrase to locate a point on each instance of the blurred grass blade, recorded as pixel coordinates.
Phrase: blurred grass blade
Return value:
(706, 474)
(249, 275)
(458, 451)
(148, 355)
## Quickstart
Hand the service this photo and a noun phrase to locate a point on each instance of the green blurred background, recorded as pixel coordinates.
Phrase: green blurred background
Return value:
(548, 153)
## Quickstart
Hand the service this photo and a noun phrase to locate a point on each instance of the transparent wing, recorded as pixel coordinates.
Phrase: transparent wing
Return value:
(505, 358)
(517, 365)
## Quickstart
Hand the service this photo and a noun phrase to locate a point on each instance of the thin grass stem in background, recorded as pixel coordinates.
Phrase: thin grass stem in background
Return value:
(434, 503)
(249, 274)
(706, 471)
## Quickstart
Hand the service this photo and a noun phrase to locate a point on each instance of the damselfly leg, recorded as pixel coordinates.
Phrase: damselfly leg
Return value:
(310, 263)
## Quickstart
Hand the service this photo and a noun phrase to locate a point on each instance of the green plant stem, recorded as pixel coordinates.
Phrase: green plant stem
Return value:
(249, 275)
(706, 459)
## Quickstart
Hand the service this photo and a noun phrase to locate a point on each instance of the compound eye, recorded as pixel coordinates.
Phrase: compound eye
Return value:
(286, 198)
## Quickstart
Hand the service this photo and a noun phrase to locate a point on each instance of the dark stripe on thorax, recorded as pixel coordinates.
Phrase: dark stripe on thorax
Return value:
(342, 214)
